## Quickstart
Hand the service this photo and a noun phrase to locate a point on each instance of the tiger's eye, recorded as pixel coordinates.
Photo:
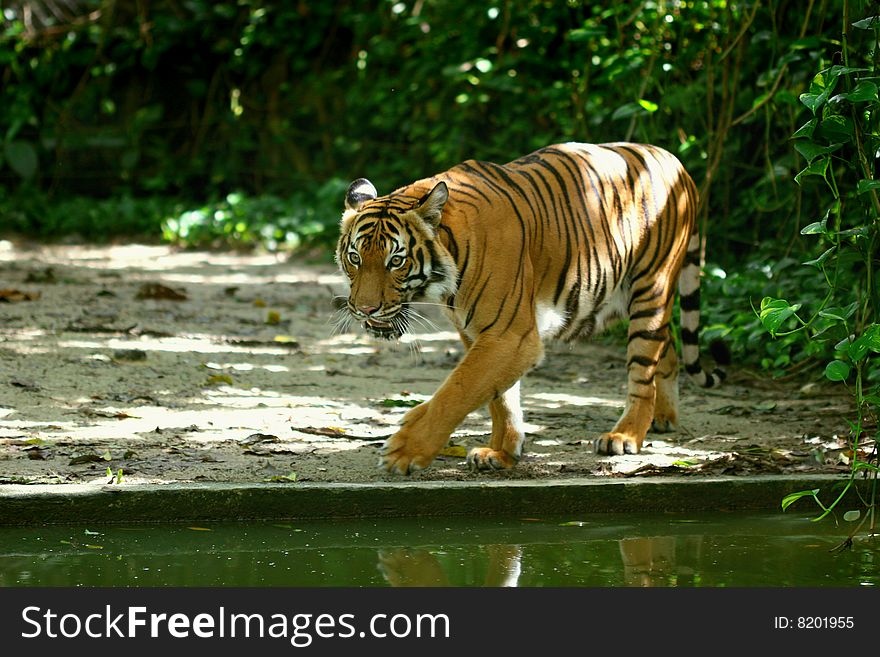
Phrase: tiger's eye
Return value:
(396, 261)
(354, 259)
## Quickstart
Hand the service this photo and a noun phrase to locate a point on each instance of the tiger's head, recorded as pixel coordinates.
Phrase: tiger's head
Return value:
(390, 252)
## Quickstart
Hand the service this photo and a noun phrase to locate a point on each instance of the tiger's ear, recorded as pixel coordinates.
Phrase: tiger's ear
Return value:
(360, 191)
(431, 204)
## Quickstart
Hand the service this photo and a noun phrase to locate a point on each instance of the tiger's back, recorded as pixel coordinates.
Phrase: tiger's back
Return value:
(583, 220)
(551, 245)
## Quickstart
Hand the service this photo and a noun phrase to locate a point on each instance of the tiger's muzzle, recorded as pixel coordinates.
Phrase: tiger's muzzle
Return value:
(387, 327)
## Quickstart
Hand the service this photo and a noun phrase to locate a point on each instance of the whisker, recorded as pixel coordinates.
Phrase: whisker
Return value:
(423, 321)
(427, 303)
(341, 323)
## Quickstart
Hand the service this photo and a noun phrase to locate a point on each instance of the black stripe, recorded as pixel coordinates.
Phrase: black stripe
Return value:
(653, 312)
(655, 336)
(644, 361)
(450, 239)
(693, 368)
(689, 337)
(690, 302)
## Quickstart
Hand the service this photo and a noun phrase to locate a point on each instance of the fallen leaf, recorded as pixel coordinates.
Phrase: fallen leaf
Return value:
(159, 291)
(255, 438)
(217, 379)
(87, 458)
(199, 529)
(407, 403)
(36, 453)
(453, 450)
(117, 415)
(273, 317)
(10, 295)
(259, 303)
(129, 355)
(24, 383)
(284, 479)
(337, 432)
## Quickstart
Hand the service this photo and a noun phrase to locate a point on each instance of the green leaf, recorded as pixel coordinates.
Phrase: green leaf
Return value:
(816, 227)
(806, 130)
(870, 23)
(858, 349)
(587, 33)
(858, 231)
(820, 261)
(866, 185)
(791, 498)
(22, 158)
(835, 129)
(852, 516)
(627, 111)
(407, 403)
(836, 71)
(812, 101)
(871, 337)
(837, 370)
(815, 168)
(840, 314)
(811, 150)
(774, 312)
(648, 105)
(865, 91)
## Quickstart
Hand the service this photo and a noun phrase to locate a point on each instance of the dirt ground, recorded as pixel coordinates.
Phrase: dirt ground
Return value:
(193, 366)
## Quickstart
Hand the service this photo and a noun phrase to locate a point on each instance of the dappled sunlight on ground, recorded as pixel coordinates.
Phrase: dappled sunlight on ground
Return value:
(240, 374)
(560, 400)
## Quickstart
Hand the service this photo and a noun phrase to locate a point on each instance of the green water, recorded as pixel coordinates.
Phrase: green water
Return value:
(600, 550)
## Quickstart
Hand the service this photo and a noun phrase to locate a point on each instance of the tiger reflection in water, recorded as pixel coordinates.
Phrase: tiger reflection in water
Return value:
(647, 562)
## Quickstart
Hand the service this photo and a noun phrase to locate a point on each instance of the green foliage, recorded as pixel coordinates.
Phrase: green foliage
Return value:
(269, 221)
(733, 311)
(38, 214)
(839, 145)
(238, 220)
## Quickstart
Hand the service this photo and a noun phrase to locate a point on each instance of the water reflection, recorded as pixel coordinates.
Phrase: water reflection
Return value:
(645, 562)
(418, 567)
(660, 560)
(600, 551)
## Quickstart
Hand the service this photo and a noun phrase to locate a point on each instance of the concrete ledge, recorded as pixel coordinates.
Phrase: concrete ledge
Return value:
(93, 504)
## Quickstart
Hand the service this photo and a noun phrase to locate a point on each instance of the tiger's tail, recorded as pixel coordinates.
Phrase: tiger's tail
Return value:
(689, 301)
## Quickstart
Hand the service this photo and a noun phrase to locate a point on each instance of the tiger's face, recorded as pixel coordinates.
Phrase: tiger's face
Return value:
(389, 251)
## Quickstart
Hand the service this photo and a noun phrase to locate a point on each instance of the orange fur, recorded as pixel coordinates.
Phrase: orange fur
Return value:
(552, 245)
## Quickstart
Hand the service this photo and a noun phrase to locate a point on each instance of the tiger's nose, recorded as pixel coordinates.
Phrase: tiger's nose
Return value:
(368, 310)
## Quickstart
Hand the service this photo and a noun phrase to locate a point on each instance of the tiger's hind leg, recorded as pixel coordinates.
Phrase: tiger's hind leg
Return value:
(666, 397)
(648, 338)
(508, 435)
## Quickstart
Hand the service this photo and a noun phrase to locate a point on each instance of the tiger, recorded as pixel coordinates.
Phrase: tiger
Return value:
(553, 245)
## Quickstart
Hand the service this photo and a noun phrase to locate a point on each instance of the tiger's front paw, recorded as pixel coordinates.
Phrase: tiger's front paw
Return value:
(617, 443)
(486, 458)
(407, 451)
